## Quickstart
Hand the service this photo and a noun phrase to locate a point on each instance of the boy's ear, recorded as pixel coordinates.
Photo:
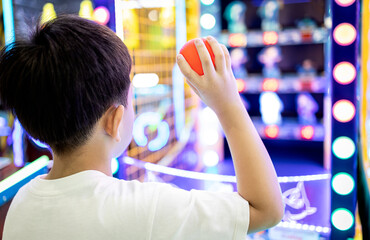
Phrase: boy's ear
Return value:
(113, 121)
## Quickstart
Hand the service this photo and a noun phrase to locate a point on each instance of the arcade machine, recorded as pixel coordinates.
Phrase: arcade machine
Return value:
(296, 65)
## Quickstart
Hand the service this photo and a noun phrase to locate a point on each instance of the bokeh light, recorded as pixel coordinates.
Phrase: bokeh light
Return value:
(272, 131)
(270, 38)
(101, 15)
(270, 84)
(307, 132)
(210, 158)
(344, 111)
(207, 21)
(344, 73)
(342, 219)
(240, 84)
(345, 3)
(343, 147)
(344, 34)
(343, 183)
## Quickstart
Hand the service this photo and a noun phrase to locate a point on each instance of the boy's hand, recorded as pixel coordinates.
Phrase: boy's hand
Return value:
(217, 87)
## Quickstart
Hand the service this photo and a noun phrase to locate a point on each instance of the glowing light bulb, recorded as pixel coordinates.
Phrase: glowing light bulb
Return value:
(344, 111)
(344, 34)
(342, 219)
(344, 73)
(101, 15)
(240, 84)
(207, 21)
(307, 132)
(272, 131)
(270, 84)
(343, 183)
(210, 158)
(237, 40)
(207, 2)
(270, 38)
(345, 3)
(343, 147)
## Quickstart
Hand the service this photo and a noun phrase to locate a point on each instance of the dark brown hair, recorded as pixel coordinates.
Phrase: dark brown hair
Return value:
(60, 81)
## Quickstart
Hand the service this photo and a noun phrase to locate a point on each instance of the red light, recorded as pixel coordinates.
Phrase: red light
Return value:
(237, 40)
(344, 34)
(307, 132)
(272, 131)
(240, 84)
(344, 73)
(270, 84)
(344, 111)
(101, 15)
(345, 3)
(270, 38)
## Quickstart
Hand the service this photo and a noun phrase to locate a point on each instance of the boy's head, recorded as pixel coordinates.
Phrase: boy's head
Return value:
(62, 80)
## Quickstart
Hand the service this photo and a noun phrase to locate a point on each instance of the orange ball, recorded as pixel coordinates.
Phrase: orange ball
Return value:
(190, 53)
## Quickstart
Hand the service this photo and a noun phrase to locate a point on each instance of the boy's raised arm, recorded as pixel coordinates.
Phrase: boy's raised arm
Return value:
(256, 178)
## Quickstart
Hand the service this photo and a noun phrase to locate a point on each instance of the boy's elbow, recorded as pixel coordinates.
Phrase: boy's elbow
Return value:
(276, 214)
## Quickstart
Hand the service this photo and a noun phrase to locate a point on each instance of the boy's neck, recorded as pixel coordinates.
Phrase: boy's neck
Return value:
(88, 157)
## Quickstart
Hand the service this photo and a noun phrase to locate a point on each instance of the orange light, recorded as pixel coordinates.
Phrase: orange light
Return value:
(237, 40)
(344, 34)
(344, 73)
(240, 84)
(270, 38)
(270, 84)
(271, 131)
(344, 111)
(345, 3)
(307, 132)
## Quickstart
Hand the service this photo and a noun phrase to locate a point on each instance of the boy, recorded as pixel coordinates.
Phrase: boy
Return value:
(69, 86)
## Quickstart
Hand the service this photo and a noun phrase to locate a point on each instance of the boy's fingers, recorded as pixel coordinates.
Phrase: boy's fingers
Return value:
(204, 56)
(227, 56)
(218, 52)
(185, 68)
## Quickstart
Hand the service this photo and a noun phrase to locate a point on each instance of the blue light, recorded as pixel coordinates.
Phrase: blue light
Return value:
(151, 119)
(8, 21)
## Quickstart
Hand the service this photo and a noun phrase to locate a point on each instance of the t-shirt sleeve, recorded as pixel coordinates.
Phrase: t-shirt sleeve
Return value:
(180, 214)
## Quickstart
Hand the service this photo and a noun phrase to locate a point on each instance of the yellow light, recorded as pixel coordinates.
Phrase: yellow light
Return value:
(237, 40)
(86, 10)
(240, 84)
(270, 84)
(48, 13)
(344, 34)
(270, 38)
(344, 73)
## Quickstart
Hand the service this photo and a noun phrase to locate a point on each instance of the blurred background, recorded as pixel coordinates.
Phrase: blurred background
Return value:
(301, 71)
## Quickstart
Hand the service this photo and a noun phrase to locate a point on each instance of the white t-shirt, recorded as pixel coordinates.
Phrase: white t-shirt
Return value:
(90, 205)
